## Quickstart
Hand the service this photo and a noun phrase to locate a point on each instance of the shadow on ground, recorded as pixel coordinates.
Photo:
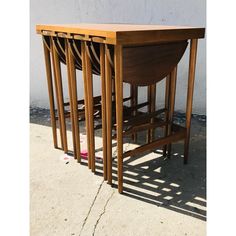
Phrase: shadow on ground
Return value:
(153, 179)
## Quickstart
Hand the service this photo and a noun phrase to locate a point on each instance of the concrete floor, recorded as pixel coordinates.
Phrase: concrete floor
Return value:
(162, 196)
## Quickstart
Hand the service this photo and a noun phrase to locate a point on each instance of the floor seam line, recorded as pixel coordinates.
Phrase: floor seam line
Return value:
(86, 218)
(103, 212)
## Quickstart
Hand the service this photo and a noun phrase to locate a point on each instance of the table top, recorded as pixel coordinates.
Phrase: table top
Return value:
(127, 33)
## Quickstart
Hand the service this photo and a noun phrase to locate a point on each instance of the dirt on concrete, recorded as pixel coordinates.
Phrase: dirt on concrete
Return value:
(161, 196)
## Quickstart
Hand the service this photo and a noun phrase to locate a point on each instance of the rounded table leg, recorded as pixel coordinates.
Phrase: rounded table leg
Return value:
(50, 93)
(108, 115)
(60, 100)
(191, 77)
(119, 113)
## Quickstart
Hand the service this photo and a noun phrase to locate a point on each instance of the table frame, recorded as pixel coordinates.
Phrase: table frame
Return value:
(168, 139)
(122, 39)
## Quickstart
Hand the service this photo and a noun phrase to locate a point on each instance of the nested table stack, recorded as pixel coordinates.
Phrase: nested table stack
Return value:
(140, 55)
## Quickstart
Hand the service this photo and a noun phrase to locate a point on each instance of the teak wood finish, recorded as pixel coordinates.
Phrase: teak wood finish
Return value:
(146, 65)
(47, 59)
(143, 55)
(70, 53)
(119, 112)
(73, 101)
(59, 92)
(108, 81)
(72, 115)
(90, 112)
(62, 52)
(125, 34)
(191, 77)
(151, 109)
(103, 100)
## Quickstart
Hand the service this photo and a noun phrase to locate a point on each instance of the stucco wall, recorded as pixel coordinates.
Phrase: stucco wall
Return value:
(170, 12)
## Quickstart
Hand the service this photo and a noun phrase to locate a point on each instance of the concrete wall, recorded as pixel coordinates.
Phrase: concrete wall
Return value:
(169, 12)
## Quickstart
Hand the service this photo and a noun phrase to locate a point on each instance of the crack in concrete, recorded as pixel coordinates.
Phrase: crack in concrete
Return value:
(103, 212)
(85, 220)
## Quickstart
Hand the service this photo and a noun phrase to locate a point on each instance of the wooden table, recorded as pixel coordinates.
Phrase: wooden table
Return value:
(133, 43)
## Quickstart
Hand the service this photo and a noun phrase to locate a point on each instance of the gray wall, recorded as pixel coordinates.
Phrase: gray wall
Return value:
(169, 12)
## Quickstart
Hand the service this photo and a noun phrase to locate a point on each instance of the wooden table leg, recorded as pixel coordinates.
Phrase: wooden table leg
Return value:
(71, 98)
(167, 105)
(191, 77)
(148, 110)
(113, 89)
(173, 78)
(59, 93)
(73, 101)
(86, 101)
(50, 93)
(108, 79)
(88, 95)
(103, 98)
(86, 105)
(151, 108)
(134, 102)
(90, 107)
(119, 112)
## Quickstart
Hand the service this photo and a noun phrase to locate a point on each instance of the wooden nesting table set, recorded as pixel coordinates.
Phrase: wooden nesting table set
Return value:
(140, 55)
